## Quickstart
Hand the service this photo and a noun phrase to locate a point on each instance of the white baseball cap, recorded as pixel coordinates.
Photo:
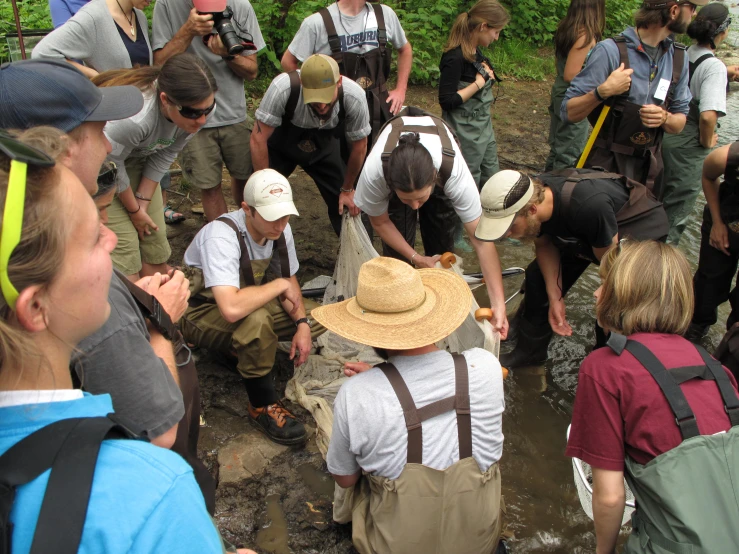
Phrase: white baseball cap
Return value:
(270, 194)
(504, 194)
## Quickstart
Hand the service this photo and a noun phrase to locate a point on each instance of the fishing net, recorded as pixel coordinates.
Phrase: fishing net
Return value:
(584, 483)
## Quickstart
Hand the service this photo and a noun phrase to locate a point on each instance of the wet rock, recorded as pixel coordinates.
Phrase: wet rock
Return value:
(246, 457)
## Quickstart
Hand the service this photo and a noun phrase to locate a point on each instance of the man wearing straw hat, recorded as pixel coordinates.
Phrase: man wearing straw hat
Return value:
(421, 477)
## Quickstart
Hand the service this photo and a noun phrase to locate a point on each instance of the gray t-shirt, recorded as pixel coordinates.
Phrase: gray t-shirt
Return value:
(91, 35)
(708, 84)
(369, 428)
(148, 134)
(118, 360)
(373, 194)
(215, 251)
(170, 15)
(272, 108)
(357, 34)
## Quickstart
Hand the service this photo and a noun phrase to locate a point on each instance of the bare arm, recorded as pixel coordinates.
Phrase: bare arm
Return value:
(354, 166)
(396, 98)
(258, 144)
(235, 304)
(289, 62)
(707, 125)
(618, 82)
(547, 256)
(576, 58)
(163, 349)
(609, 500)
(392, 237)
(347, 481)
(86, 71)
(713, 167)
(292, 303)
(196, 26)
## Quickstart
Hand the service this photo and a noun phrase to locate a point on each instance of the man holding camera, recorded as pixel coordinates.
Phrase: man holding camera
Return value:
(226, 34)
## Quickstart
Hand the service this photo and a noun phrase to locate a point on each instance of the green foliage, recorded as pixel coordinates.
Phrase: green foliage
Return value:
(34, 14)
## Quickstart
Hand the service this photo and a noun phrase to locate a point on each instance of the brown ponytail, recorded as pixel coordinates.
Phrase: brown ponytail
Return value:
(489, 12)
(410, 166)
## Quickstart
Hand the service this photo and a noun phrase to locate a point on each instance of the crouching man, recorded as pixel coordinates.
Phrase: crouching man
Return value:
(413, 486)
(245, 296)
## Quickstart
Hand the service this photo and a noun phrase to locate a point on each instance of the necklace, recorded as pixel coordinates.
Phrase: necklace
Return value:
(652, 61)
(130, 21)
(341, 21)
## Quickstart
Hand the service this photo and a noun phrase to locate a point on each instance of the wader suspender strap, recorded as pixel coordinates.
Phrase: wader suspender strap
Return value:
(333, 38)
(292, 101)
(731, 402)
(692, 66)
(447, 151)
(381, 30)
(569, 187)
(245, 261)
(731, 173)
(460, 402)
(151, 309)
(70, 448)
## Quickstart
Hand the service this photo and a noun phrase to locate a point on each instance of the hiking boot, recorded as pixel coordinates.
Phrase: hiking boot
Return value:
(696, 333)
(531, 346)
(278, 424)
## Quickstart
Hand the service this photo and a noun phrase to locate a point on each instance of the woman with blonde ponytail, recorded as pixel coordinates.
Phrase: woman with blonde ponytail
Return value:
(465, 85)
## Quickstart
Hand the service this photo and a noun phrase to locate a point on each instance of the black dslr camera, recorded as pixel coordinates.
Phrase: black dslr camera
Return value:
(231, 40)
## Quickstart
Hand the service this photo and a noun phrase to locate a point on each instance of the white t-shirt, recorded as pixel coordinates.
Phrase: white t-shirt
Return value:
(708, 84)
(373, 194)
(215, 251)
(369, 428)
(357, 34)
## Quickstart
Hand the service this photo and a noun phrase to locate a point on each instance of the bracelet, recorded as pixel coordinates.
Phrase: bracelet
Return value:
(414, 255)
(342, 189)
(302, 320)
(667, 115)
(478, 86)
(141, 197)
(135, 211)
(598, 97)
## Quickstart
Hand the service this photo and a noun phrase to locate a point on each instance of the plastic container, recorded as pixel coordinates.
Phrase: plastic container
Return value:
(30, 39)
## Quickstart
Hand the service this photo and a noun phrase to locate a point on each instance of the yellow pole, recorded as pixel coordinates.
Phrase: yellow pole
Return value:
(593, 136)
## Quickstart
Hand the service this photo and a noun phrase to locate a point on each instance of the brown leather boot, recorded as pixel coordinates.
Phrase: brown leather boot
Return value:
(278, 424)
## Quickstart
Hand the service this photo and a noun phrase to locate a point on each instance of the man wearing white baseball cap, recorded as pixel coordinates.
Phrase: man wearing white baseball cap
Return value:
(573, 217)
(245, 296)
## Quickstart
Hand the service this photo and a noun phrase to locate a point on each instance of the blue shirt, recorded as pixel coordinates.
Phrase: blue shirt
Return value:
(144, 498)
(604, 59)
(61, 10)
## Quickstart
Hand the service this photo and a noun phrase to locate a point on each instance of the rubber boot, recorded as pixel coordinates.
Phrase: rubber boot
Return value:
(531, 346)
(461, 246)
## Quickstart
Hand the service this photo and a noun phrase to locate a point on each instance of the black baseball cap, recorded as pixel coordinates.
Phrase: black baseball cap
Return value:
(54, 93)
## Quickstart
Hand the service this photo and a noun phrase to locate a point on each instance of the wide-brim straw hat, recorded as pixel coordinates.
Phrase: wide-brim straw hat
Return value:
(398, 307)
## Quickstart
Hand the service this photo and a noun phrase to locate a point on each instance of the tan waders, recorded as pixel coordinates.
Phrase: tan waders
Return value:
(474, 128)
(426, 510)
(687, 499)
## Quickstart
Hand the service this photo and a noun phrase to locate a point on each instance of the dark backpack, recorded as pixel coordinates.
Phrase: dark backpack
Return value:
(69, 447)
(439, 127)
(642, 217)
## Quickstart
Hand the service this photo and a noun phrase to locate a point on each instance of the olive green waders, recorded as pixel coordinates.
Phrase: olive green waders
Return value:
(474, 128)
(566, 140)
(427, 510)
(253, 339)
(687, 499)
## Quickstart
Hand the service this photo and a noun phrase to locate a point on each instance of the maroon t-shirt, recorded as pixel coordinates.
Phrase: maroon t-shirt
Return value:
(620, 410)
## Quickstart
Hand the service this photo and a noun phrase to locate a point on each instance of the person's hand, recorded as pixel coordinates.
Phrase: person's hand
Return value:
(426, 261)
(653, 116)
(617, 83)
(346, 200)
(352, 368)
(489, 70)
(301, 346)
(142, 222)
(396, 98)
(244, 551)
(215, 45)
(500, 320)
(557, 318)
(719, 238)
(714, 140)
(293, 295)
(732, 72)
(198, 25)
(171, 292)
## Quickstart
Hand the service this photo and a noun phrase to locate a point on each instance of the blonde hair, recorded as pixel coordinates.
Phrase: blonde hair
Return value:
(40, 252)
(647, 288)
(489, 12)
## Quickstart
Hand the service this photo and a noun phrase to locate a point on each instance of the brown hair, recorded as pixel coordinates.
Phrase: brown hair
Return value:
(40, 252)
(644, 17)
(647, 288)
(489, 12)
(537, 197)
(410, 166)
(584, 18)
(184, 78)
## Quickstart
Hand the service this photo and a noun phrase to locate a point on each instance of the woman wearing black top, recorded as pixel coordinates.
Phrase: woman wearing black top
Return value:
(465, 85)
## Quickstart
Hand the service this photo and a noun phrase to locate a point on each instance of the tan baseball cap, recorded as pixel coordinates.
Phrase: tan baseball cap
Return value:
(319, 76)
(504, 194)
(270, 194)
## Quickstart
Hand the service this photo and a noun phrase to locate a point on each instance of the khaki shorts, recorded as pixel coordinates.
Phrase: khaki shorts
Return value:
(203, 158)
(131, 251)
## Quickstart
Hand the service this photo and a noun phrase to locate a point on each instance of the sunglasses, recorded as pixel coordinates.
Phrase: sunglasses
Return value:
(193, 113)
(108, 175)
(21, 156)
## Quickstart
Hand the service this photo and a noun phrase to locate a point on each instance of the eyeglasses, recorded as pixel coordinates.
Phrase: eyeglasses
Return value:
(692, 6)
(108, 174)
(193, 113)
(21, 156)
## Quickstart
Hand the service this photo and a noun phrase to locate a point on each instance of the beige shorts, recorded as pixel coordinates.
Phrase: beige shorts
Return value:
(131, 251)
(203, 158)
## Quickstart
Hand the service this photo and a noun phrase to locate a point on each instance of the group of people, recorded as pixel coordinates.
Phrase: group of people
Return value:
(89, 300)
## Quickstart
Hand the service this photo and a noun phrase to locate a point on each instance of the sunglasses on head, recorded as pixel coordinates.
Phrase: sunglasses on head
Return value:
(21, 156)
(193, 113)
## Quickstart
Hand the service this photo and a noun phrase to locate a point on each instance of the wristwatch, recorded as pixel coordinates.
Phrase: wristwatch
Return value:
(302, 320)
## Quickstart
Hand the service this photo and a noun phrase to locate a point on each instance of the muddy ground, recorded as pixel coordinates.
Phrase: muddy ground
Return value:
(287, 508)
